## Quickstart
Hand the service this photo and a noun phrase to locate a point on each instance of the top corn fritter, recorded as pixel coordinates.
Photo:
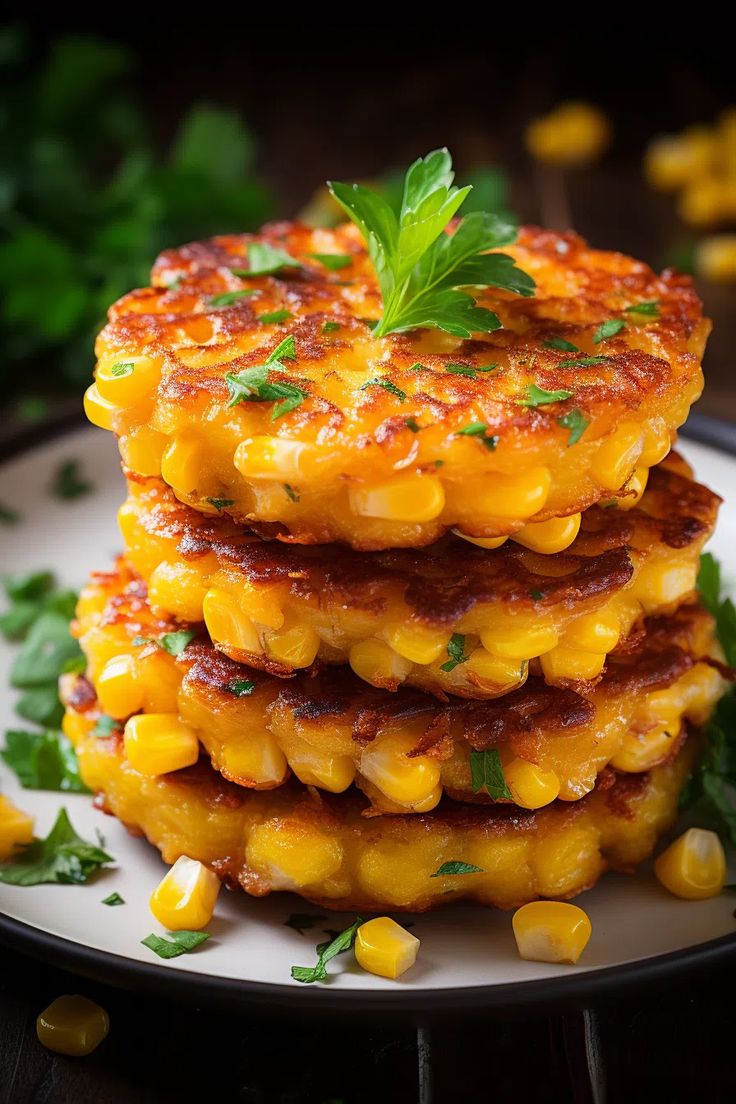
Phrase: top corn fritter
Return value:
(251, 377)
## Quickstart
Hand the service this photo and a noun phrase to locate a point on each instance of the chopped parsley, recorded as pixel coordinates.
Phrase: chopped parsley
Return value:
(387, 385)
(584, 362)
(537, 595)
(68, 482)
(240, 687)
(43, 761)
(291, 493)
(122, 368)
(173, 642)
(486, 773)
(275, 316)
(576, 422)
(63, 858)
(461, 370)
(333, 261)
(417, 367)
(650, 308)
(227, 298)
(265, 259)
(340, 943)
(480, 430)
(303, 921)
(412, 424)
(537, 396)
(455, 866)
(456, 652)
(253, 384)
(113, 899)
(106, 726)
(608, 329)
(562, 344)
(181, 942)
(220, 503)
(330, 327)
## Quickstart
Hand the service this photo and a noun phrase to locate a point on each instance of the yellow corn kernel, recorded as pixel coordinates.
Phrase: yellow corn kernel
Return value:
(118, 687)
(525, 642)
(661, 586)
(160, 678)
(386, 764)
(715, 258)
(384, 948)
(99, 411)
(551, 536)
(181, 465)
(641, 751)
(156, 743)
(377, 663)
(184, 899)
(256, 761)
(633, 490)
(502, 673)
(482, 542)
(16, 828)
(618, 456)
(574, 133)
(72, 1025)
(379, 800)
(515, 496)
(694, 866)
(571, 663)
(142, 449)
(125, 380)
(178, 588)
(327, 772)
(409, 497)
(226, 624)
(75, 727)
(270, 458)
(704, 201)
(594, 632)
(673, 160)
(531, 787)
(292, 858)
(417, 643)
(294, 647)
(551, 931)
(657, 443)
(260, 605)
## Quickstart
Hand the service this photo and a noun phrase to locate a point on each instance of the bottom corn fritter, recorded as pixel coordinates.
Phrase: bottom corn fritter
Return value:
(322, 847)
(404, 749)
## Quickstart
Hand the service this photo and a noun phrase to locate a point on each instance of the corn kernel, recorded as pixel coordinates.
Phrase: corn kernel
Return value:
(514, 496)
(386, 764)
(657, 443)
(417, 643)
(618, 455)
(412, 498)
(178, 588)
(571, 663)
(334, 773)
(161, 679)
(75, 727)
(574, 133)
(594, 632)
(72, 1025)
(270, 458)
(632, 490)
(379, 800)
(482, 542)
(704, 201)
(384, 948)
(377, 663)
(551, 536)
(531, 787)
(292, 858)
(504, 674)
(672, 161)
(142, 449)
(641, 751)
(694, 866)
(255, 761)
(125, 380)
(118, 687)
(226, 624)
(184, 899)
(294, 647)
(661, 586)
(16, 828)
(524, 642)
(181, 465)
(551, 931)
(715, 259)
(156, 743)
(260, 604)
(99, 411)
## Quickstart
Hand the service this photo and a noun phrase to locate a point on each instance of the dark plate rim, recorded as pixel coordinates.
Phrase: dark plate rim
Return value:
(576, 988)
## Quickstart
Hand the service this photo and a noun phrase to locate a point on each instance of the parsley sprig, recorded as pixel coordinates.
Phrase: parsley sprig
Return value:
(326, 951)
(486, 773)
(63, 857)
(424, 274)
(255, 385)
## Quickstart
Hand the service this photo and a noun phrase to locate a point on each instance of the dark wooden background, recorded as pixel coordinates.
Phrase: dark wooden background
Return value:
(346, 101)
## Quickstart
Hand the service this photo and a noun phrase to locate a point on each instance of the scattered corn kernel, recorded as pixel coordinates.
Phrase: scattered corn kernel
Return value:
(141, 450)
(671, 161)
(256, 760)
(715, 258)
(551, 931)
(503, 673)
(574, 133)
(641, 751)
(377, 663)
(328, 772)
(694, 866)
(99, 411)
(270, 458)
(524, 642)
(156, 743)
(632, 490)
(618, 455)
(384, 948)
(125, 380)
(118, 687)
(72, 1025)
(16, 828)
(178, 588)
(704, 201)
(551, 536)
(385, 762)
(571, 663)
(260, 604)
(411, 498)
(185, 897)
(292, 859)
(514, 496)
(181, 465)
(531, 787)
(416, 642)
(294, 647)
(597, 632)
(660, 586)
(226, 624)
(657, 443)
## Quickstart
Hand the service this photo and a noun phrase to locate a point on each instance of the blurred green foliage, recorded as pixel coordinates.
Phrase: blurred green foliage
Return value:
(86, 200)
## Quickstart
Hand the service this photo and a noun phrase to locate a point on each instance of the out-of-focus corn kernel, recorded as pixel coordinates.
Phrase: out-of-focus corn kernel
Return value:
(294, 647)
(524, 642)
(125, 380)
(505, 674)
(594, 632)
(658, 585)
(694, 866)
(184, 899)
(99, 411)
(256, 761)
(417, 643)
(551, 931)
(270, 458)
(411, 498)
(16, 828)
(571, 663)
(531, 787)
(515, 496)
(574, 133)
(260, 604)
(704, 202)
(178, 588)
(641, 751)
(181, 465)
(142, 449)
(672, 161)
(118, 687)
(226, 624)
(72, 1025)
(386, 764)
(161, 679)
(551, 536)
(715, 259)
(384, 948)
(156, 743)
(293, 858)
(657, 443)
(618, 456)
(75, 726)
(633, 490)
(482, 542)
(377, 663)
(328, 772)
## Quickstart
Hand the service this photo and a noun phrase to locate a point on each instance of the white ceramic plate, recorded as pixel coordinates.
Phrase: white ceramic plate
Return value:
(468, 955)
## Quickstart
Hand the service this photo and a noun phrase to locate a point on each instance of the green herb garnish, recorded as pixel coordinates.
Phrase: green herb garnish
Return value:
(584, 362)
(113, 899)
(649, 308)
(333, 261)
(106, 726)
(412, 424)
(253, 384)
(576, 422)
(291, 493)
(480, 430)
(387, 385)
(227, 298)
(122, 368)
(486, 773)
(608, 329)
(342, 942)
(63, 858)
(420, 269)
(417, 367)
(68, 481)
(562, 344)
(240, 687)
(43, 761)
(330, 327)
(181, 942)
(455, 866)
(264, 259)
(537, 396)
(456, 652)
(537, 595)
(275, 316)
(220, 503)
(174, 642)
(303, 921)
